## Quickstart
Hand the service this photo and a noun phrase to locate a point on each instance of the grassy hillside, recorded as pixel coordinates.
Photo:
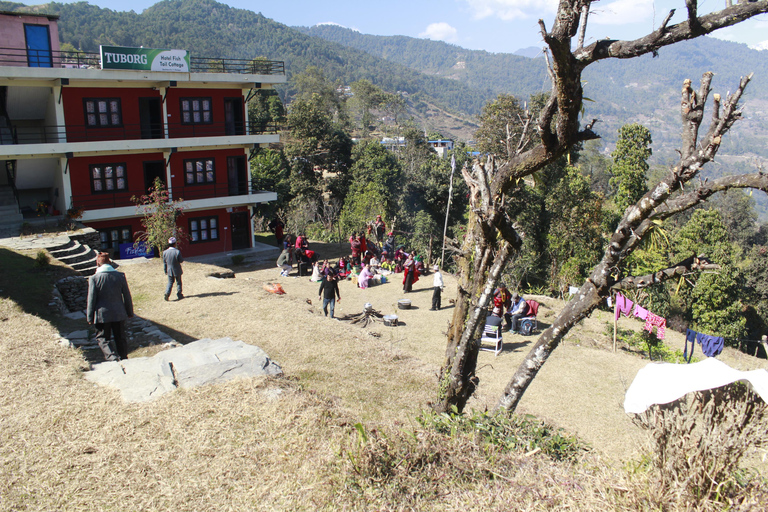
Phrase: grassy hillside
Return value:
(339, 432)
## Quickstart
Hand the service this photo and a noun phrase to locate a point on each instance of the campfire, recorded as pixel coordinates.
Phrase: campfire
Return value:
(368, 316)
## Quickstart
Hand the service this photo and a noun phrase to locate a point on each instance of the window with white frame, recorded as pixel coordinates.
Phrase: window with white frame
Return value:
(111, 238)
(103, 112)
(199, 171)
(196, 111)
(203, 229)
(108, 178)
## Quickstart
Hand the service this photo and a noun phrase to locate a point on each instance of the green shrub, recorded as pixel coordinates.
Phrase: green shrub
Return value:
(42, 259)
(510, 433)
(646, 341)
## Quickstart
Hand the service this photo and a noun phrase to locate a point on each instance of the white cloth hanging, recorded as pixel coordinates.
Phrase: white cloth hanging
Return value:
(662, 383)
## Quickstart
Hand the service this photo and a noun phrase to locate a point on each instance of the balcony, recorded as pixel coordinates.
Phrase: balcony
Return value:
(89, 60)
(122, 199)
(80, 133)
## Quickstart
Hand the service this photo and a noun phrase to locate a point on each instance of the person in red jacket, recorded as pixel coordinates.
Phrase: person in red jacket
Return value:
(354, 244)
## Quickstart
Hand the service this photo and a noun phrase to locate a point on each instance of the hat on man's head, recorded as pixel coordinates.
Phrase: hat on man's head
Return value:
(515, 296)
(172, 240)
(436, 268)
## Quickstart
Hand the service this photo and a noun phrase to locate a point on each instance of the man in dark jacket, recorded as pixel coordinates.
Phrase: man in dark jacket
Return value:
(172, 260)
(329, 290)
(109, 304)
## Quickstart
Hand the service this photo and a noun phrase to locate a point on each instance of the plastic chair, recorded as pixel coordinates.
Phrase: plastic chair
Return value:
(492, 335)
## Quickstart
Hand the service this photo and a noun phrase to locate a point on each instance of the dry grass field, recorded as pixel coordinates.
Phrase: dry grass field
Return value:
(291, 443)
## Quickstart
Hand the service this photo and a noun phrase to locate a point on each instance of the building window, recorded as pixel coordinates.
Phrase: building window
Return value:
(103, 112)
(111, 238)
(203, 229)
(199, 171)
(107, 178)
(196, 111)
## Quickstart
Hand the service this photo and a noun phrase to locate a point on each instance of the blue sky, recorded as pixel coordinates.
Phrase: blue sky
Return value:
(492, 25)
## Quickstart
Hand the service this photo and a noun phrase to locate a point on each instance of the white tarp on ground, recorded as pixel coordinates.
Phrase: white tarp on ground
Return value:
(201, 362)
(662, 383)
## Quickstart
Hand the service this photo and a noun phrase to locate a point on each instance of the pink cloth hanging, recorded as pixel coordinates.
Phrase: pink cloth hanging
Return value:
(640, 312)
(623, 305)
(655, 320)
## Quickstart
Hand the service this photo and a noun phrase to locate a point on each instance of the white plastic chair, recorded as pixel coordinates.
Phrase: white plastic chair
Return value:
(492, 335)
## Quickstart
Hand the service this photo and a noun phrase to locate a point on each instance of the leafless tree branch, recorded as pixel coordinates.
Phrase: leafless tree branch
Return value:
(612, 48)
(692, 264)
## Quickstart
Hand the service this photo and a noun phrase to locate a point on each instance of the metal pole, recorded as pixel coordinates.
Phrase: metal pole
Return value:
(448, 209)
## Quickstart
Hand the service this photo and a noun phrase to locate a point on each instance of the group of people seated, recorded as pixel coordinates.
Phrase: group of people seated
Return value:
(368, 263)
(295, 251)
(511, 306)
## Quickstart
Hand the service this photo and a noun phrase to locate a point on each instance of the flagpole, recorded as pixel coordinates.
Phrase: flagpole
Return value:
(448, 209)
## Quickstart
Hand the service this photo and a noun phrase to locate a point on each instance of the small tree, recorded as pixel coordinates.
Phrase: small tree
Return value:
(159, 217)
(630, 165)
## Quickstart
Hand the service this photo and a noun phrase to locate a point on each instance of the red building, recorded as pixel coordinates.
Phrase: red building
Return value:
(76, 134)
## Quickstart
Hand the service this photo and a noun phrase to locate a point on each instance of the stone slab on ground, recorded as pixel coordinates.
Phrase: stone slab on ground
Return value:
(198, 363)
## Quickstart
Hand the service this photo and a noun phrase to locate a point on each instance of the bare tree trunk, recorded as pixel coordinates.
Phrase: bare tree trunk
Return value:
(491, 239)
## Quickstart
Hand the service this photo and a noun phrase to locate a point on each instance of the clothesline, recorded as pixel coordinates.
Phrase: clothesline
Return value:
(711, 345)
(624, 305)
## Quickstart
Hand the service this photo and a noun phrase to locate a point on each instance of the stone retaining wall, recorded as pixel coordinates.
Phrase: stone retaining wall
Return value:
(74, 291)
(89, 237)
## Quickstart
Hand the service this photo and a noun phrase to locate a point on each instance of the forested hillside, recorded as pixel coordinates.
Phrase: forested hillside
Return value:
(499, 72)
(643, 90)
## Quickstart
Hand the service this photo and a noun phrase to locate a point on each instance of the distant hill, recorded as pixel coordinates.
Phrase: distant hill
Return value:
(644, 89)
(481, 70)
(531, 52)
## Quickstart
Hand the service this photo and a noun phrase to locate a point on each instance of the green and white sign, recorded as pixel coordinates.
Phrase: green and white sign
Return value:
(147, 59)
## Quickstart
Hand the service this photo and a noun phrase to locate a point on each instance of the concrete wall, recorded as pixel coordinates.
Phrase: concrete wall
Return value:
(12, 36)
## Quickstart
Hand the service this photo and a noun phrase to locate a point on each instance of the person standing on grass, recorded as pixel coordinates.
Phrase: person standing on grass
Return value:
(437, 284)
(354, 245)
(172, 260)
(379, 228)
(329, 290)
(411, 274)
(277, 226)
(109, 304)
(284, 262)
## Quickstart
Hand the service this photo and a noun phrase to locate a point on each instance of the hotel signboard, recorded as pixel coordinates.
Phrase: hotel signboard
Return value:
(146, 59)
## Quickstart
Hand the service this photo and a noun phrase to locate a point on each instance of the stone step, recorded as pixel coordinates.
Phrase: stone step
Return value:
(10, 213)
(7, 198)
(77, 256)
(9, 231)
(85, 264)
(76, 260)
(70, 248)
(11, 221)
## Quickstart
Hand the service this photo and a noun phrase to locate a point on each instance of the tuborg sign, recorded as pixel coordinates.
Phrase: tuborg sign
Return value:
(147, 59)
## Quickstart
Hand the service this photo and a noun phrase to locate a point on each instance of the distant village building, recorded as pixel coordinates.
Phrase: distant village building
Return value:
(441, 146)
(87, 131)
(345, 90)
(393, 142)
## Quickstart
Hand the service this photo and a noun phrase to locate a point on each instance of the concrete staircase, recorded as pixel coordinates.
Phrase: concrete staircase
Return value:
(76, 255)
(10, 218)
